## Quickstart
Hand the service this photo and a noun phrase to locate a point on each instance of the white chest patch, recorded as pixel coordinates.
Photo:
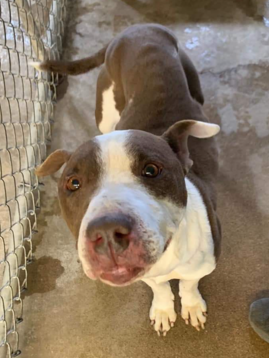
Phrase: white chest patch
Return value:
(191, 253)
(110, 115)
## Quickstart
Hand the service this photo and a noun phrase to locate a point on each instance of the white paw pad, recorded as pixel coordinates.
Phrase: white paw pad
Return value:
(162, 319)
(195, 314)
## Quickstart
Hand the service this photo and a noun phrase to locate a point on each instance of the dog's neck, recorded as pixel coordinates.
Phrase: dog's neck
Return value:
(191, 244)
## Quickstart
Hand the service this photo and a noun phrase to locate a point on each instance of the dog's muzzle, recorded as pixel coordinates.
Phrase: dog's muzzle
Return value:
(114, 249)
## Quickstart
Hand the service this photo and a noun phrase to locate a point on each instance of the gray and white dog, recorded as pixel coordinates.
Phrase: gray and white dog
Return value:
(140, 199)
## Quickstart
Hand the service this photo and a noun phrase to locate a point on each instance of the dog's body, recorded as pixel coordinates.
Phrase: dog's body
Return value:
(142, 214)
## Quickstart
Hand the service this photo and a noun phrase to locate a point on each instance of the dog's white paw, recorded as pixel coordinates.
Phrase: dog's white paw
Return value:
(195, 314)
(162, 319)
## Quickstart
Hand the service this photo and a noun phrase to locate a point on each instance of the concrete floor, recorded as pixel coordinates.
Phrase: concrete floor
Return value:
(66, 314)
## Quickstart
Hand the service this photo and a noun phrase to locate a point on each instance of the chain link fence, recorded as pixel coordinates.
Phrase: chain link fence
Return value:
(30, 30)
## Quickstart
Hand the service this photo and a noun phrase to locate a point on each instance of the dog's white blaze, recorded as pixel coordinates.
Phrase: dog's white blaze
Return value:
(115, 160)
(110, 114)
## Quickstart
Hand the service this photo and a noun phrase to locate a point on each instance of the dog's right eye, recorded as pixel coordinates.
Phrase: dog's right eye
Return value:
(151, 171)
(73, 184)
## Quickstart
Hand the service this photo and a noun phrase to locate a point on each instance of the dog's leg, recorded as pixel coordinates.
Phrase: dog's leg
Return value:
(109, 103)
(162, 312)
(193, 306)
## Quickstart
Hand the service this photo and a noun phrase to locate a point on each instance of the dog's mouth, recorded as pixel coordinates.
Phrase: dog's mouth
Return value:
(121, 275)
(167, 244)
(119, 272)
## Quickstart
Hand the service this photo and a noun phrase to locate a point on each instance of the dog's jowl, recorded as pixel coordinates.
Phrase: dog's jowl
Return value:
(140, 198)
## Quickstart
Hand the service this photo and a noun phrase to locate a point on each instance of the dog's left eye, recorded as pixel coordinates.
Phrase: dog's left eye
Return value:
(73, 184)
(151, 171)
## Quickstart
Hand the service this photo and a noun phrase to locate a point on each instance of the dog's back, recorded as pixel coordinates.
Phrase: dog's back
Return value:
(157, 79)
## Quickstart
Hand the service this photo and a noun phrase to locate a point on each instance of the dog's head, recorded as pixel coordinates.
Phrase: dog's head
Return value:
(123, 195)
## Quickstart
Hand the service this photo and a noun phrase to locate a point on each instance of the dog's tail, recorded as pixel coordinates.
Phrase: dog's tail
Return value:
(72, 67)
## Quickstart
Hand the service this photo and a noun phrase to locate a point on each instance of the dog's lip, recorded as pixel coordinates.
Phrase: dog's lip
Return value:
(167, 243)
(120, 275)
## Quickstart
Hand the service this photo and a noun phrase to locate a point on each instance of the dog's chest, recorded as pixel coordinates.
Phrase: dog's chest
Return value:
(190, 255)
(184, 264)
(200, 265)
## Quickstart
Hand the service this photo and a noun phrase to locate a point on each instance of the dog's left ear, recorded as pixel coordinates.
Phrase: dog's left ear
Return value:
(177, 137)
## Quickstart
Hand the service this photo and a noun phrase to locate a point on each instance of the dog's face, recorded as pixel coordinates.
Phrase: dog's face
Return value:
(122, 195)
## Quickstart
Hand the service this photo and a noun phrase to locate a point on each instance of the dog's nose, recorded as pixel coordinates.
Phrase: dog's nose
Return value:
(110, 232)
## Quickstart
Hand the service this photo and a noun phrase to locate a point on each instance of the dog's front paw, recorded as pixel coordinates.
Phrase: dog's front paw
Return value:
(162, 318)
(195, 314)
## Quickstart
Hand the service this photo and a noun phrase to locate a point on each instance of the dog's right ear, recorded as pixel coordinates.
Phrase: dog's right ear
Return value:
(53, 163)
(177, 137)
